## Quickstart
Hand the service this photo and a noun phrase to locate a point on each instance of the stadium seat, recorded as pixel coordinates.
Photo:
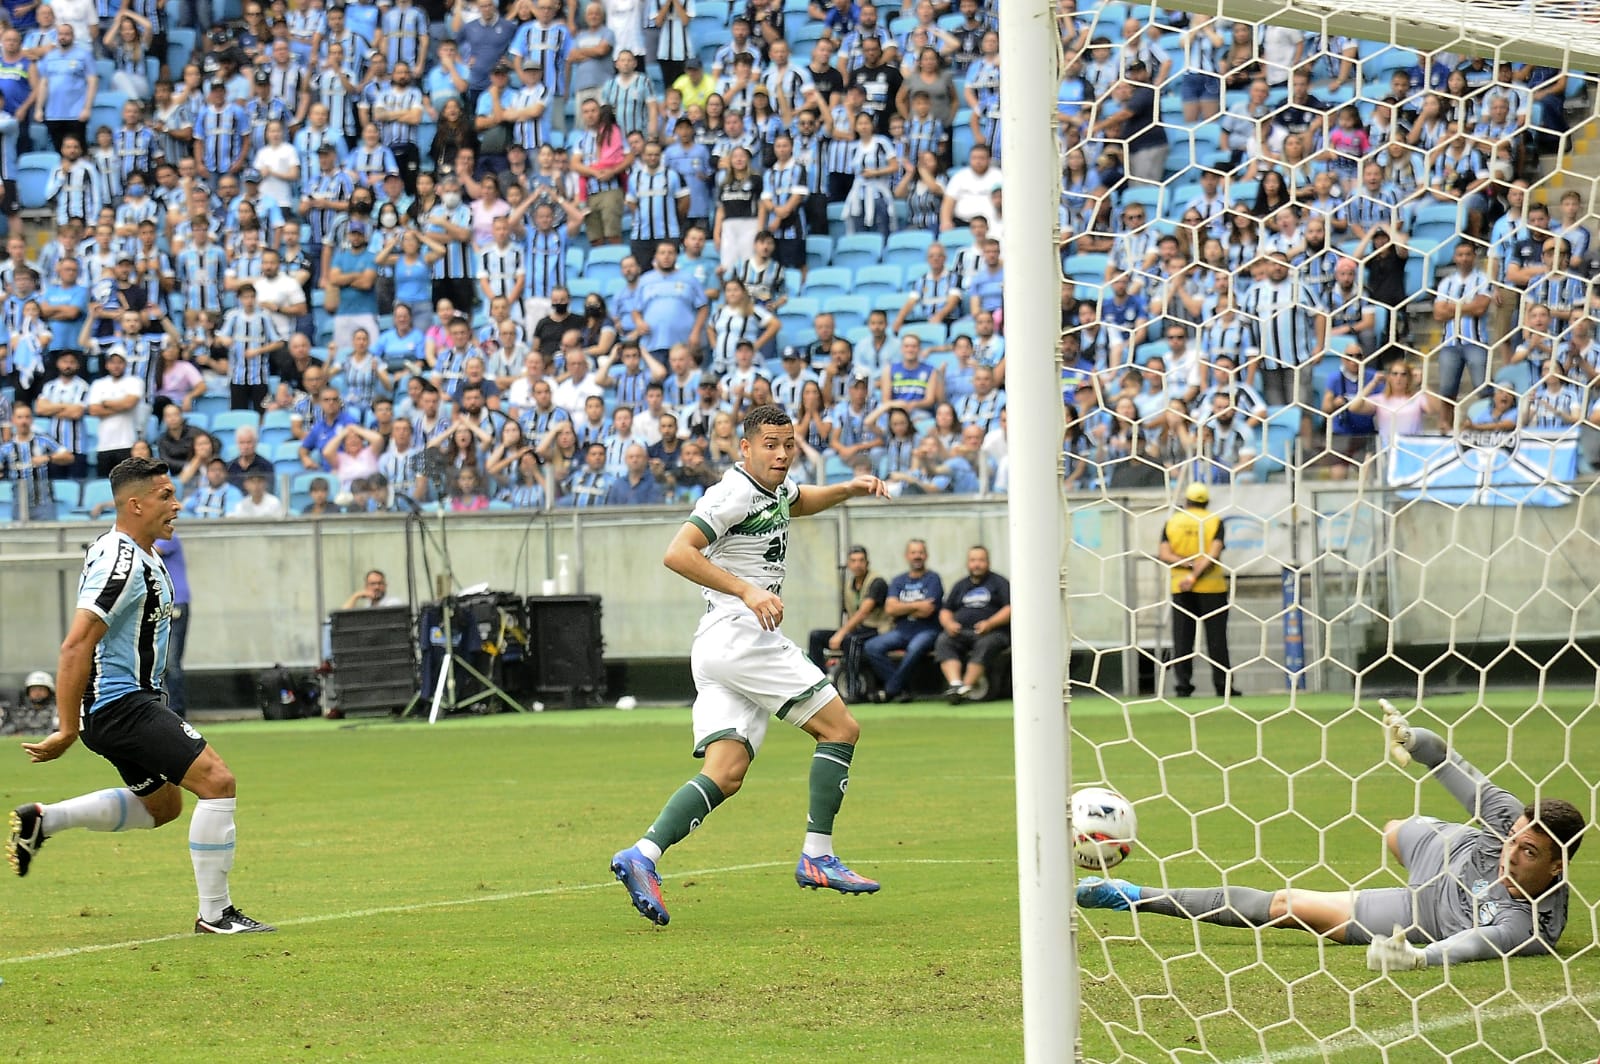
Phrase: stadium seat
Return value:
(575, 261)
(230, 420)
(858, 250)
(33, 177)
(1086, 268)
(878, 280)
(888, 302)
(1280, 433)
(907, 248)
(956, 239)
(828, 281)
(580, 287)
(926, 331)
(805, 305)
(180, 45)
(208, 406)
(302, 481)
(66, 492)
(287, 451)
(819, 251)
(721, 10)
(835, 471)
(849, 311)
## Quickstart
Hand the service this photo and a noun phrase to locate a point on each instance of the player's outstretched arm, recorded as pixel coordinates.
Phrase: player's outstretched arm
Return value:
(684, 557)
(1495, 806)
(72, 676)
(1394, 953)
(814, 499)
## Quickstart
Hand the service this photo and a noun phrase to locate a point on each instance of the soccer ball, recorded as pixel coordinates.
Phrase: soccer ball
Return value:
(1104, 828)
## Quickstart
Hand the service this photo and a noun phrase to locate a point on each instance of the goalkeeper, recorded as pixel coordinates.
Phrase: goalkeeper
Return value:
(1472, 893)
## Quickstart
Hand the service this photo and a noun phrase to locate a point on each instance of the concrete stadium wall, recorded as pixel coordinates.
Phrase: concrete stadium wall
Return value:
(261, 589)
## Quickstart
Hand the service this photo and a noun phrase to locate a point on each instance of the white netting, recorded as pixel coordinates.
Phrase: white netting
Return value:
(1387, 533)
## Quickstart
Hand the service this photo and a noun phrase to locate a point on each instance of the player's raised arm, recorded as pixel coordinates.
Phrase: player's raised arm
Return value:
(72, 676)
(684, 556)
(1495, 807)
(813, 499)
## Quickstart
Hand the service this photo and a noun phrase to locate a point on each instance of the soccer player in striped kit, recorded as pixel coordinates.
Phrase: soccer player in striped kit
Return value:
(112, 665)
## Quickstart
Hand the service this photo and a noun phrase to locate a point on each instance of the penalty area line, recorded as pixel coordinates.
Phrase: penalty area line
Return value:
(1349, 1042)
(451, 903)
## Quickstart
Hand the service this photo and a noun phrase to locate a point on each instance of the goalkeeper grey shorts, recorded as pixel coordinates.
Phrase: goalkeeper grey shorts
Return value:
(1424, 846)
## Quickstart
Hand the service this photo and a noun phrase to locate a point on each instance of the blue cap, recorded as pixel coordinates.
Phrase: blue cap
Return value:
(251, 176)
(792, 352)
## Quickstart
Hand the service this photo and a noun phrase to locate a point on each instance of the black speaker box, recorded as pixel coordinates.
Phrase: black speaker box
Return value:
(568, 649)
(375, 659)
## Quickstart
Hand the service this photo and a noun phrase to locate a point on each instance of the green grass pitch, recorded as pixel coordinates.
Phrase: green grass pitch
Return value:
(444, 894)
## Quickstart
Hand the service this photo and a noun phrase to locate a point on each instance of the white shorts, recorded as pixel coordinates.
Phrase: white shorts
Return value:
(743, 675)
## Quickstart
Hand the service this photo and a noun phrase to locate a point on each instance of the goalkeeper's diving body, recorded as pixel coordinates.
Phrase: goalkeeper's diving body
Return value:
(1472, 893)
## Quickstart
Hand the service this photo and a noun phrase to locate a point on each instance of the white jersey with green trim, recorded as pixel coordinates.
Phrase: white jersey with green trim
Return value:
(748, 530)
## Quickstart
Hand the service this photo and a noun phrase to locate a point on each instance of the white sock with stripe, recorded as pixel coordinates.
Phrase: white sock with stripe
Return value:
(117, 809)
(211, 851)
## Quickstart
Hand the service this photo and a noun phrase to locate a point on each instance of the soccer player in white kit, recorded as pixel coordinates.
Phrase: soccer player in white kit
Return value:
(734, 546)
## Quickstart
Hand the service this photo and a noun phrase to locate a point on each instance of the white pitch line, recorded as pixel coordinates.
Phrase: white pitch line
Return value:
(1387, 1036)
(448, 903)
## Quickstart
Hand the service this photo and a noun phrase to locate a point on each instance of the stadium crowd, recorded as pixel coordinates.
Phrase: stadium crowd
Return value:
(543, 254)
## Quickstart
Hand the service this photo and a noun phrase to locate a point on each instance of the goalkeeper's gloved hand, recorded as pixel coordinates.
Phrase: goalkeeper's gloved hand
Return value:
(1395, 954)
(1396, 733)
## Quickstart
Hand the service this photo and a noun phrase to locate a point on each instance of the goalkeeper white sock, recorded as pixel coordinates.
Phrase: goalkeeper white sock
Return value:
(118, 809)
(211, 851)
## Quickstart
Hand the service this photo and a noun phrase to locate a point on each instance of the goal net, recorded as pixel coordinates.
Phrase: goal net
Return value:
(1330, 266)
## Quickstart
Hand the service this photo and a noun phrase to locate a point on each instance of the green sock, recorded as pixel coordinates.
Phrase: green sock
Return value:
(830, 776)
(683, 812)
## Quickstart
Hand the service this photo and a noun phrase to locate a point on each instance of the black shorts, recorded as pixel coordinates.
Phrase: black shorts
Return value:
(791, 254)
(147, 743)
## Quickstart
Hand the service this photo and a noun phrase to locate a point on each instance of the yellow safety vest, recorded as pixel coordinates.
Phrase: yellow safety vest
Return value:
(1188, 533)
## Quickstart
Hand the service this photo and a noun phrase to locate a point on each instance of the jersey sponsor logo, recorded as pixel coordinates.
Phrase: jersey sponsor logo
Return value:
(124, 563)
(188, 729)
(976, 599)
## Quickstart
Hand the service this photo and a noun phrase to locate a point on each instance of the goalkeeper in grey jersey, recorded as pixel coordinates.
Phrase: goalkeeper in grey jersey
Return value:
(1472, 893)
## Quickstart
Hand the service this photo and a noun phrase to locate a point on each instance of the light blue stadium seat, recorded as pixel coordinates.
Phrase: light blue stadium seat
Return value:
(832, 279)
(66, 492)
(819, 251)
(849, 312)
(230, 420)
(302, 481)
(926, 331)
(878, 280)
(1089, 268)
(287, 451)
(180, 45)
(888, 302)
(1281, 431)
(803, 305)
(956, 239)
(907, 248)
(835, 471)
(206, 406)
(33, 176)
(858, 250)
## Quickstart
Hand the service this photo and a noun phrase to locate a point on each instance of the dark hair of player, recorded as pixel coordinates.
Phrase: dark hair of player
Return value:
(132, 474)
(1554, 818)
(766, 414)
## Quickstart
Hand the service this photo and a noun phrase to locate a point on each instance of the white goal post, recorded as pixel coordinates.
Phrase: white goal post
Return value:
(1313, 539)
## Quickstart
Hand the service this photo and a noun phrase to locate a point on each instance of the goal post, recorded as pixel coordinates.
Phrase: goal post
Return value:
(1036, 523)
(1446, 570)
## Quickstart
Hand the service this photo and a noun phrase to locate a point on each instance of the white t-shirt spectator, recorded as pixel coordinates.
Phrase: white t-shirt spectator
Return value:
(973, 192)
(117, 431)
(269, 506)
(570, 395)
(279, 291)
(277, 159)
(1398, 415)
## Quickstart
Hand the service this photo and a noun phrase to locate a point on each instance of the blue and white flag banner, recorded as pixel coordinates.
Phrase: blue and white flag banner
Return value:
(1474, 468)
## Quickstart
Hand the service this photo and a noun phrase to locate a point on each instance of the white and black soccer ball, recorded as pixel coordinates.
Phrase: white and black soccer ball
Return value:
(1104, 829)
